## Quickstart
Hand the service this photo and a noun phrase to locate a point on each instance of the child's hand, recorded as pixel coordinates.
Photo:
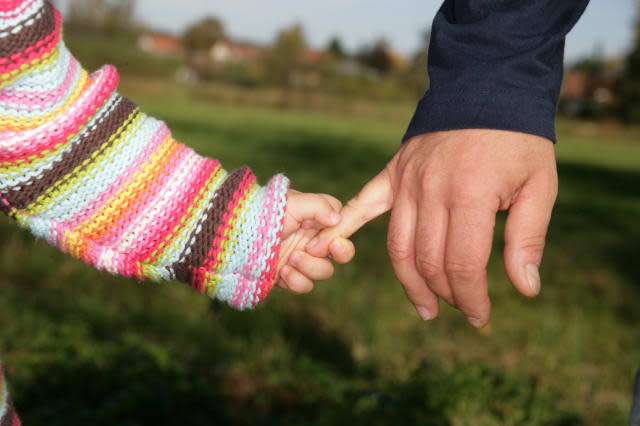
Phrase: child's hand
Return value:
(306, 215)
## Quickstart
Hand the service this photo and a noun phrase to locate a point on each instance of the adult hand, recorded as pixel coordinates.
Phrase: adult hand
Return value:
(444, 190)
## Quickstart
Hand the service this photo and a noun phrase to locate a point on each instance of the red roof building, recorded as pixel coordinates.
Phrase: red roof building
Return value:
(160, 44)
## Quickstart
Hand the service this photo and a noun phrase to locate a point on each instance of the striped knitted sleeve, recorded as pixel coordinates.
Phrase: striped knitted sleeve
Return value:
(87, 170)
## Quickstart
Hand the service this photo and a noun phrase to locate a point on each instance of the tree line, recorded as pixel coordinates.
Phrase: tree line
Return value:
(605, 90)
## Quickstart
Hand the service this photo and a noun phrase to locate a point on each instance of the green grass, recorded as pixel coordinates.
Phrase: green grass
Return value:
(84, 347)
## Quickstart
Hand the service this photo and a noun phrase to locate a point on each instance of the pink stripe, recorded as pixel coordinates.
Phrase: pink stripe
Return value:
(157, 233)
(43, 46)
(111, 238)
(97, 202)
(46, 137)
(134, 211)
(268, 276)
(17, 13)
(41, 99)
(258, 245)
(9, 5)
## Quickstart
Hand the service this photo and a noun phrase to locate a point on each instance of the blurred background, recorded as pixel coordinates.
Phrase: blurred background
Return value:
(324, 93)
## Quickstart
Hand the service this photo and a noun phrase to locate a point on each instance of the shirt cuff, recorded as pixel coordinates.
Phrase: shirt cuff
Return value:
(478, 107)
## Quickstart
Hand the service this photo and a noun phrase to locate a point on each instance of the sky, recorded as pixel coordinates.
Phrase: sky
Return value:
(607, 24)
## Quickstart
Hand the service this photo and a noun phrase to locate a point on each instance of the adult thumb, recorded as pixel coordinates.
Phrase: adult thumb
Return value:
(525, 233)
(375, 198)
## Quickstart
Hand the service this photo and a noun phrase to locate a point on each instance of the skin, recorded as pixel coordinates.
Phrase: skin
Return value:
(305, 215)
(444, 190)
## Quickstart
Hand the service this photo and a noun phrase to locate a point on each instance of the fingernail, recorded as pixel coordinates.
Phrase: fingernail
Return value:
(476, 322)
(312, 244)
(424, 313)
(335, 218)
(294, 258)
(533, 276)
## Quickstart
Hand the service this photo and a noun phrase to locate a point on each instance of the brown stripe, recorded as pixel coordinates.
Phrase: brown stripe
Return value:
(202, 242)
(81, 150)
(28, 36)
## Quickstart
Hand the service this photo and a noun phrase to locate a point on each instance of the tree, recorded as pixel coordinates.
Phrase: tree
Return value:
(336, 49)
(377, 57)
(286, 57)
(629, 87)
(107, 17)
(416, 76)
(204, 34)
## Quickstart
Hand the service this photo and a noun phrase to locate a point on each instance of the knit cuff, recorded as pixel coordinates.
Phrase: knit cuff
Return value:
(240, 268)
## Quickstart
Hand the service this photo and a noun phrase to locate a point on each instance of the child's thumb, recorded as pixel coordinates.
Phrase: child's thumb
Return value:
(375, 198)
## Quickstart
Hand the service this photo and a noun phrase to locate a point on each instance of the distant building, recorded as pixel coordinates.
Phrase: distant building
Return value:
(574, 85)
(349, 67)
(313, 56)
(228, 52)
(160, 44)
(589, 92)
(398, 59)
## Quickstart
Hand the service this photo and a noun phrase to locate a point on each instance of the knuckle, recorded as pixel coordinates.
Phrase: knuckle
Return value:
(430, 183)
(468, 191)
(429, 268)
(534, 244)
(398, 250)
(425, 177)
(462, 271)
(409, 174)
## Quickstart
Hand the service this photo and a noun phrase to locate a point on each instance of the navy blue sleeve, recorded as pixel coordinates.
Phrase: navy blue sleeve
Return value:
(496, 64)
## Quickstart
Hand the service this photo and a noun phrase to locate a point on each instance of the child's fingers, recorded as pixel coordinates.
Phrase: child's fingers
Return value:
(375, 198)
(295, 281)
(335, 203)
(342, 250)
(311, 223)
(315, 268)
(317, 207)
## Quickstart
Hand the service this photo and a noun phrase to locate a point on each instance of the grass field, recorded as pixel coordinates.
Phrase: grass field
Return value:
(83, 347)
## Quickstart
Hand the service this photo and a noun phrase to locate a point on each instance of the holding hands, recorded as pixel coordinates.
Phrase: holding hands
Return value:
(305, 216)
(444, 190)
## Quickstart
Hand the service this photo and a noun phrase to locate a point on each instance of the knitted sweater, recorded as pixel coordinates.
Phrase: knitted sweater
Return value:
(85, 169)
